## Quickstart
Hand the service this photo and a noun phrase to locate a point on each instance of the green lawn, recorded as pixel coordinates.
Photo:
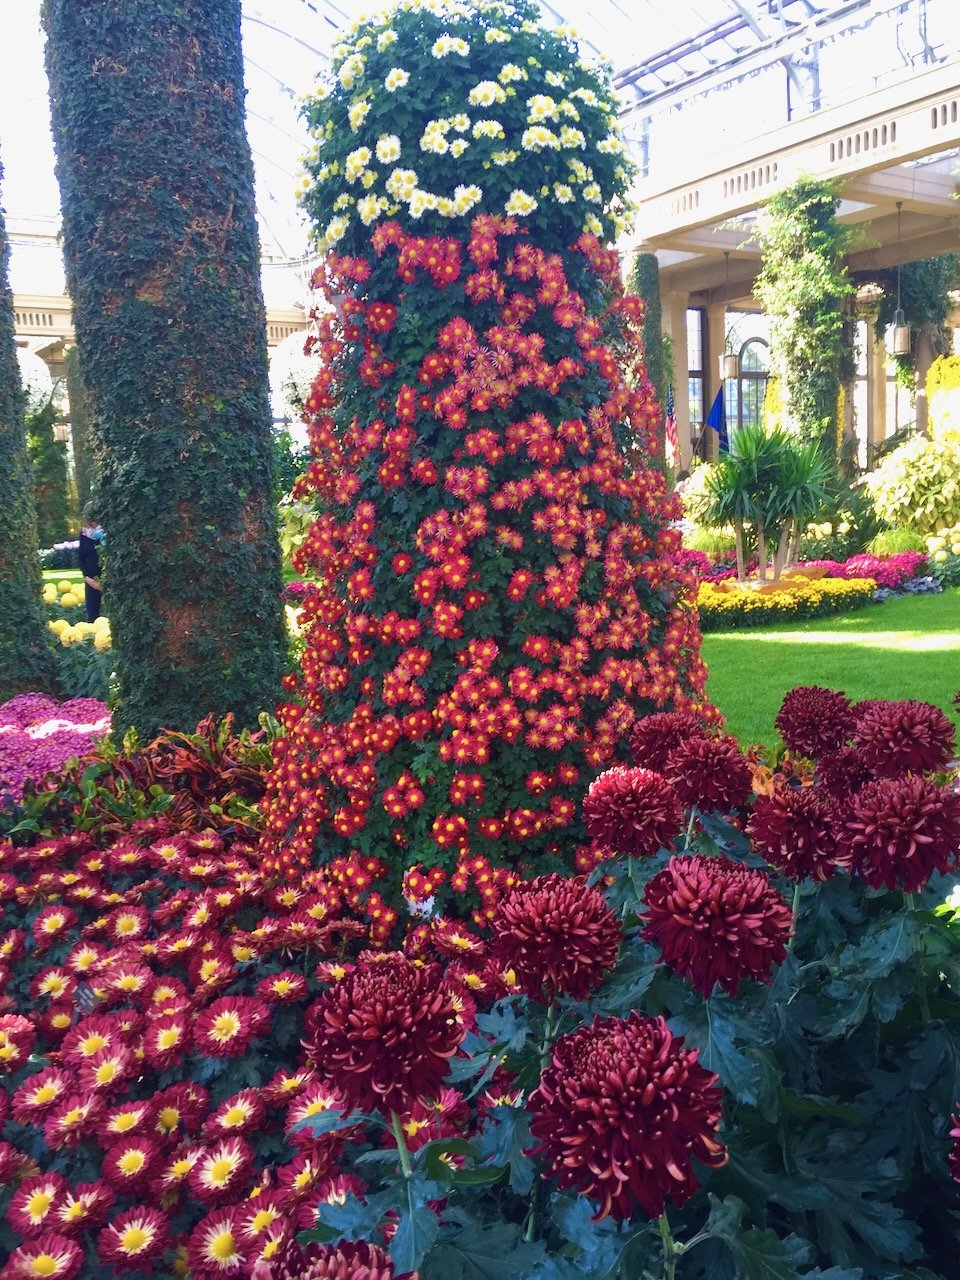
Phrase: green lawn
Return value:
(907, 647)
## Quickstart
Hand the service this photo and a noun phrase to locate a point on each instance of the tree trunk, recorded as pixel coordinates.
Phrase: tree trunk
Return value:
(761, 552)
(738, 543)
(162, 262)
(27, 662)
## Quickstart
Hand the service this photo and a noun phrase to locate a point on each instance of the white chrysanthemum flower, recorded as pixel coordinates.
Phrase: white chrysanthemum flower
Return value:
(541, 107)
(357, 161)
(320, 93)
(445, 207)
(510, 72)
(421, 202)
(502, 158)
(433, 140)
(496, 36)
(486, 93)
(460, 122)
(586, 96)
(555, 79)
(570, 137)
(488, 129)
(592, 192)
(402, 183)
(520, 204)
(539, 138)
(580, 171)
(464, 198)
(396, 79)
(385, 39)
(369, 208)
(351, 71)
(567, 109)
(611, 145)
(342, 202)
(336, 230)
(592, 223)
(357, 114)
(388, 148)
(562, 193)
(444, 45)
(458, 147)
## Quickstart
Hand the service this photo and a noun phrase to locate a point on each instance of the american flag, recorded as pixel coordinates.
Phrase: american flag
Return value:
(670, 438)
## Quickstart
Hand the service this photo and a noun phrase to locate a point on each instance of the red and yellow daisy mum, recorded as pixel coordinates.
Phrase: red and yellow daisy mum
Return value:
(125, 1121)
(235, 1115)
(129, 1165)
(50, 1257)
(33, 1203)
(54, 983)
(83, 1207)
(107, 1070)
(226, 1027)
(316, 1101)
(283, 987)
(72, 1120)
(17, 1038)
(215, 1247)
(166, 1040)
(174, 1174)
(39, 1094)
(220, 1170)
(134, 1239)
(286, 1085)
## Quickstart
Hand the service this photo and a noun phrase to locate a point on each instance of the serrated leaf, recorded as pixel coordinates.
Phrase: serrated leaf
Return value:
(355, 1219)
(714, 1028)
(761, 1254)
(483, 1253)
(503, 1140)
(417, 1224)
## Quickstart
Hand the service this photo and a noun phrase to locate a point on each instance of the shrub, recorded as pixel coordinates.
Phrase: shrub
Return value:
(716, 543)
(890, 542)
(725, 607)
(62, 555)
(943, 556)
(917, 486)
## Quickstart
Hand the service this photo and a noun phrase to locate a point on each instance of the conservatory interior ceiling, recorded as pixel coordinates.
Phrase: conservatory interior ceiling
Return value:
(723, 103)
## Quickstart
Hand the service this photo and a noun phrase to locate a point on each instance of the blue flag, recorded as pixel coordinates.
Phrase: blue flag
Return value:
(717, 421)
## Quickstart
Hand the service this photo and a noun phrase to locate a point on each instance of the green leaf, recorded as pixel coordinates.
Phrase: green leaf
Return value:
(715, 1027)
(483, 1253)
(417, 1224)
(762, 1255)
(503, 1140)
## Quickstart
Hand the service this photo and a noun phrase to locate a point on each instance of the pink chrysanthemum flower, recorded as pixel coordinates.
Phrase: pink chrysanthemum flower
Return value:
(557, 935)
(904, 737)
(632, 811)
(32, 1206)
(52, 1256)
(716, 922)
(622, 1111)
(134, 1240)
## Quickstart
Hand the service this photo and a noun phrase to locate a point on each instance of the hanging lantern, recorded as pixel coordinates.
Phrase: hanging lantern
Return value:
(729, 366)
(901, 330)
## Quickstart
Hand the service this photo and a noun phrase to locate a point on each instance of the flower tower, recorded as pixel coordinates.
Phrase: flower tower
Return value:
(496, 599)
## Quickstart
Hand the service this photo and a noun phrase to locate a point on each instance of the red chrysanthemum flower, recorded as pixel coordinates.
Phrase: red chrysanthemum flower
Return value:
(622, 1111)
(955, 1121)
(221, 1169)
(796, 829)
(32, 1207)
(40, 1093)
(215, 1247)
(226, 1026)
(348, 1260)
(716, 922)
(632, 811)
(813, 720)
(904, 737)
(843, 772)
(134, 1240)
(238, 1114)
(53, 1256)
(654, 737)
(558, 936)
(710, 773)
(900, 830)
(128, 1165)
(385, 1033)
(83, 1207)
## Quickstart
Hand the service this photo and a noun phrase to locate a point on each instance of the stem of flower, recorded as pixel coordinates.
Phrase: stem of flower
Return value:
(402, 1151)
(671, 1250)
(910, 902)
(532, 1225)
(795, 913)
(689, 835)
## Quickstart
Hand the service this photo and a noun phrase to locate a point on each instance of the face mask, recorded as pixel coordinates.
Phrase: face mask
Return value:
(97, 535)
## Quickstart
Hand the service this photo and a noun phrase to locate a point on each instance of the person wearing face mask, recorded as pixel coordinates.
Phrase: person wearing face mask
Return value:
(91, 536)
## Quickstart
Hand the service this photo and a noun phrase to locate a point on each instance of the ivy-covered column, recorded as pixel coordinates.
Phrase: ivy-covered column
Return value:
(162, 260)
(80, 428)
(26, 657)
(802, 285)
(496, 602)
(645, 283)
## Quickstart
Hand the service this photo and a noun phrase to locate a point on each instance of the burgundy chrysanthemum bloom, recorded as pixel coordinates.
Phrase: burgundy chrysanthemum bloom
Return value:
(843, 772)
(655, 736)
(813, 720)
(716, 922)
(900, 830)
(558, 936)
(710, 773)
(904, 737)
(621, 1112)
(348, 1260)
(795, 829)
(632, 811)
(955, 1134)
(385, 1033)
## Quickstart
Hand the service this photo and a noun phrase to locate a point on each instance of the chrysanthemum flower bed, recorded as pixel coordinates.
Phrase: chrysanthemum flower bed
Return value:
(695, 1063)
(38, 735)
(728, 604)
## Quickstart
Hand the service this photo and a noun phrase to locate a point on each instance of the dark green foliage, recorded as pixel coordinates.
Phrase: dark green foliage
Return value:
(162, 262)
(924, 292)
(802, 285)
(645, 282)
(48, 459)
(81, 427)
(26, 655)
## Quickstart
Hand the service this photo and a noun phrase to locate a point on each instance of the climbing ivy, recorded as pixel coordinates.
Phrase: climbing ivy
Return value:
(802, 285)
(162, 262)
(80, 429)
(48, 461)
(26, 656)
(645, 283)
